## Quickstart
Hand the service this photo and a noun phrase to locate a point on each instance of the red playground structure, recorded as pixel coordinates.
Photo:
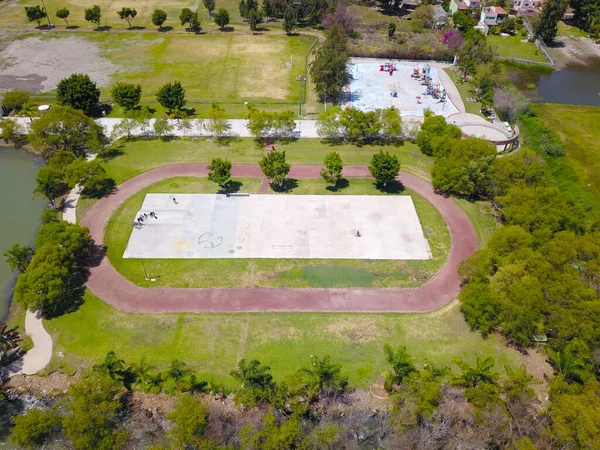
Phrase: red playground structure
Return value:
(388, 67)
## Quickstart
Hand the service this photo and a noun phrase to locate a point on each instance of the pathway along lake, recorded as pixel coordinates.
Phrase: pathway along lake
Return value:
(576, 84)
(20, 213)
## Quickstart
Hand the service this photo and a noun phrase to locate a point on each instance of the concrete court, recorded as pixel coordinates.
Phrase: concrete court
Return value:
(370, 89)
(278, 226)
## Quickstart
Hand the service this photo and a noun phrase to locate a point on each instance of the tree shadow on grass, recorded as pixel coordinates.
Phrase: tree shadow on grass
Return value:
(104, 28)
(165, 29)
(72, 27)
(289, 184)
(112, 152)
(395, 187)
(137, 28)
(343, 183)
(231, 187)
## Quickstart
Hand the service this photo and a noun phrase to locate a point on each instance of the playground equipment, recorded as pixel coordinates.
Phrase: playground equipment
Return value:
(388, 67)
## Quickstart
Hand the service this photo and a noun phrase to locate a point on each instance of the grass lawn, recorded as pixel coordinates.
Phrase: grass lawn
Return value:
(464, 89)
(481, 216)
(579, 171)
(134, 157)
(512, 47)
(212, 344)
(571, 31)
(227, 68)
(275, 272)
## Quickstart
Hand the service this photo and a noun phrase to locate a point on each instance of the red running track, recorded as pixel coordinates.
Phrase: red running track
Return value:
(114, 289)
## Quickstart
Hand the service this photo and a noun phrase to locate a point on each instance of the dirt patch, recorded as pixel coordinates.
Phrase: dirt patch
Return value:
(53, 385)
(37, 64)
(359, 330)
(536, 363)
(575, 50)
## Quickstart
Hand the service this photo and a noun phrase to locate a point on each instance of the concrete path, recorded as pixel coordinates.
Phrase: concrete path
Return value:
(109, 285)
(39, 356)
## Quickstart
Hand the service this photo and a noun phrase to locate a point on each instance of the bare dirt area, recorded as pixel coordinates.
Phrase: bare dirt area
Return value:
(37, 64)
(536, 363)
(570, 50)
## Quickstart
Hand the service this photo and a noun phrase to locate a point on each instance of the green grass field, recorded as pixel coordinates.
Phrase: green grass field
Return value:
(229, 69)
(512, 47)
(134, 157)
(579, 171)
(464, 89)
(275, 272)
(212, 344)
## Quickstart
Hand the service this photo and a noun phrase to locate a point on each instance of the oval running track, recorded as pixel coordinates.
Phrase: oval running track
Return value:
(105, 282)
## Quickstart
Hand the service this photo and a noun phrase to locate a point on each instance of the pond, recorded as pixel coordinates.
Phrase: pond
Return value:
(20, 213)
(577, 84)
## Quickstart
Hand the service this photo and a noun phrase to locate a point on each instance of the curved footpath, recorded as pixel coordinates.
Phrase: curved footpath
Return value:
(110, 286)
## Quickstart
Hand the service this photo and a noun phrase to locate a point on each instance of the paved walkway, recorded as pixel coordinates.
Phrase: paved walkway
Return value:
(106, 283)
(39, 356)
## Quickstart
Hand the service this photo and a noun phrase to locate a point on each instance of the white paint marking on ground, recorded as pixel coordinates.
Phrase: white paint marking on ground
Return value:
(278, 226)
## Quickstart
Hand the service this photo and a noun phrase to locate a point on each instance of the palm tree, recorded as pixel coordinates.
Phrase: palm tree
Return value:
(483, 372)
(569, 366)
(30, 111)
(111, 366)
(142, 372)
(402, 366)
(325, 376)
(176, 114)
(154, 383)
(177, 370)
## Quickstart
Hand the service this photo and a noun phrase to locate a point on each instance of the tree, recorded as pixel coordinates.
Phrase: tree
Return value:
(68, 129)
(257, 385)
(190, 418)
(74, 239)
(328, 124)
(50, 284)
(92, 414)
(49, 183)
(35, 14)
(93, 14)
(220, 171)
(209, 5)
(464, 21)
(401, 363)
(112, 366)
(35, 426)
(127, 14)
(422, 17)
(14, 100)
(391, 124)
(384, 167)
(472, 376)
(217, 124)
(474, 51)
(18, 257)
(222, 18)
(268, 8)
(275, 167)
(329, 69)
(508, 25)
(90, 175)
(332, 172)
(189, 17)
(243, 8)
(552, 12)
(171, 96)
(325, 377)
(124, 127)
(78, 91)
(359, 125)
(159, 17)
(391, 29)
(162, 127)
(255, 18)
(126, 95)
(12, 131)
(289, 20)
(433, 126)
(63, 14)
(29, 110)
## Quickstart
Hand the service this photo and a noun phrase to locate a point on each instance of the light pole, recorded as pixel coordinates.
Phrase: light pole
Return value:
(302, 80)
(47, 15)
(145, 272)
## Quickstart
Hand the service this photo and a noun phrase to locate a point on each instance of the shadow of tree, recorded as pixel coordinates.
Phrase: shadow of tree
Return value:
(341, 184)
(231, 187)
(288, 185)
(395, 187)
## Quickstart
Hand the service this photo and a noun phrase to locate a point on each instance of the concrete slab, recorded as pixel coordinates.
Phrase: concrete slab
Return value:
(278, 226)
(370, 89)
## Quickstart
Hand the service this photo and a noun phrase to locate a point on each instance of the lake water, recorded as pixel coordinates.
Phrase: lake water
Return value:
(577, 84)
(20, 214)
